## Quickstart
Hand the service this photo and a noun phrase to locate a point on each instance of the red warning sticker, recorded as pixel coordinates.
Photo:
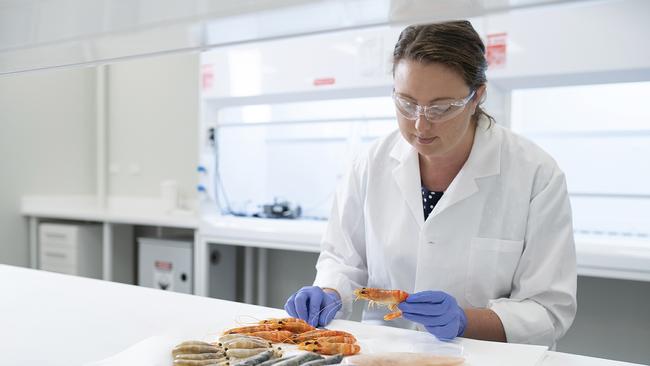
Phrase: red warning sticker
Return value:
(324, 81)
(163, 265)
(207, 77)
(496, 49)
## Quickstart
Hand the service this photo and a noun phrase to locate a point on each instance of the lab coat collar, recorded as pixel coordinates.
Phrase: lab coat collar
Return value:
(407, 176)
(484, 161)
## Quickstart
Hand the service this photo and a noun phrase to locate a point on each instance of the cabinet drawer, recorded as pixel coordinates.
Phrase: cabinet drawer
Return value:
(60, 268)
(58, 256)
(58, 235)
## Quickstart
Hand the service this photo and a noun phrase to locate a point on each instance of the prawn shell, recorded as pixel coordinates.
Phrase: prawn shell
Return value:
(244, 352)
(199, 356)
(326, 348)
(255, 360)
(275, 361)
(183, 362)
(192, 349)
(282, 320)
(194, 343)
(320, 333)
(332, 360)
(253, 328)
(389, 298)
(299, 359)
(338, 339)
(229, 337)
(276, 336)
(381, 296)
(246, 343)
(296, 327)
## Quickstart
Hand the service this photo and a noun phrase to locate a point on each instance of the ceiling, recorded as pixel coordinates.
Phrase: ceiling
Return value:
(40, 34)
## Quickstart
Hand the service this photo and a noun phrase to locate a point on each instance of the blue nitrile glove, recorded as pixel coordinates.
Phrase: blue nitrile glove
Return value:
(437, 311)
(313, 305)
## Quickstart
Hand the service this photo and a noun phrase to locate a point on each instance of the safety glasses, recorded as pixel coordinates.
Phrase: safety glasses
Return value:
(435, 113)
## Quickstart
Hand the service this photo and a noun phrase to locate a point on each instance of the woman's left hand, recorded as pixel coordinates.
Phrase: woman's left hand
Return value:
(437, 311)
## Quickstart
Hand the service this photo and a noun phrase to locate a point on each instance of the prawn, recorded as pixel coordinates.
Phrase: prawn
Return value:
(319, 333)
(194, 343)
(388, 298)
(327, 348)
(253, 328)
(248, 343)
(276, 336)
(244, 352)
(338, 339)
(336, 359)
(294, 325)
(282, 320)
(194, 349)
(199, 356)
(255, 360)
(187, 362)
(233, 336)
(298, 359)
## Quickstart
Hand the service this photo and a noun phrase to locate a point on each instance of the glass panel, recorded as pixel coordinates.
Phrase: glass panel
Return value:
(286, 157)
(600, 137)
(586, 109)
(322, 110)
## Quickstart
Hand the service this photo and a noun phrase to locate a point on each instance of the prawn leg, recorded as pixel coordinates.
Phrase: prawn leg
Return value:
(396, 312)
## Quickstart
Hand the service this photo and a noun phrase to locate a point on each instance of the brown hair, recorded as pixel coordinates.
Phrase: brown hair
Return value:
(454, 44)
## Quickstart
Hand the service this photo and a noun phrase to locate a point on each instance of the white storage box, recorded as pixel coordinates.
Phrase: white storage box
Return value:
(165, 264)
(71, 249)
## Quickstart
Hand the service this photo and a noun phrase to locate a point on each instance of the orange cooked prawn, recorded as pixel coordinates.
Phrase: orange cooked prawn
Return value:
(320, 333)
(337, 339)
(388, 298)
(327, 348)
(282, 320)
(253, 328)
(275, 336)
(295, 327)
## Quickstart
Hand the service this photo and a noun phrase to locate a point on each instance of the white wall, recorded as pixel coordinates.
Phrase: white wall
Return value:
(152, 122)
(48, 136)
(47, 146)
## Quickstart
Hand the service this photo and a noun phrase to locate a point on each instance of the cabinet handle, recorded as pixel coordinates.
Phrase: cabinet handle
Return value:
(56, 235)
(55, 255)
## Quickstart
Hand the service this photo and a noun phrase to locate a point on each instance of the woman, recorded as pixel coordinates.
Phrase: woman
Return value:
(470, 219)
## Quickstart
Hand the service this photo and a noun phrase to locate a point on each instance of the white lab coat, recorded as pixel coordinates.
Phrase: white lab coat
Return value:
(501, 236)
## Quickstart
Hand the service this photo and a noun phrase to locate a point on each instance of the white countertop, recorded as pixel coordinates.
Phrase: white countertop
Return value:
(118, 210)
(299, 235)
(625, 259)
(53, 319)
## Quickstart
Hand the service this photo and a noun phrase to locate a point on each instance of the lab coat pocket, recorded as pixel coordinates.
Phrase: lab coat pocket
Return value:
(491, 267)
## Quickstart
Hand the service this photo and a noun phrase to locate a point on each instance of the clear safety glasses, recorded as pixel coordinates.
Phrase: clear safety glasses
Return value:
(434, 113)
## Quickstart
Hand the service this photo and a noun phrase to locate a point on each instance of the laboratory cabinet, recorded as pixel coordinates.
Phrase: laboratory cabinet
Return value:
(74, 249)
(165, 264)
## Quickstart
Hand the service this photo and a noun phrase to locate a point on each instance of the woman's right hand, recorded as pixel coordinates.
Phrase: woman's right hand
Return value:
(313, 305)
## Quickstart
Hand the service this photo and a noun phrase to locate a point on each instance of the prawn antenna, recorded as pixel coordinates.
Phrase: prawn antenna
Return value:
(253, 320)
(327, 309)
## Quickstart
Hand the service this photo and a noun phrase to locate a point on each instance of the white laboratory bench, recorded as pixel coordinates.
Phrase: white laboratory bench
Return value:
(121, 210)
(54, 319)
(625, 259)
